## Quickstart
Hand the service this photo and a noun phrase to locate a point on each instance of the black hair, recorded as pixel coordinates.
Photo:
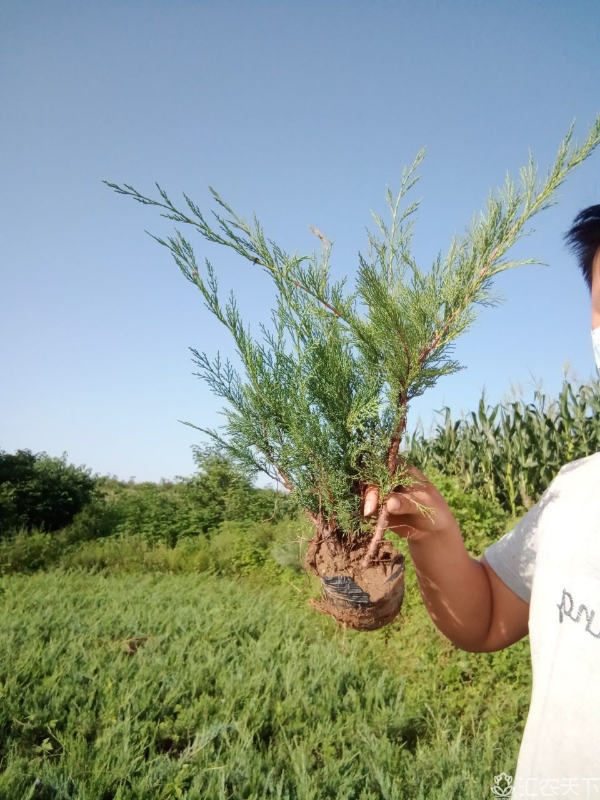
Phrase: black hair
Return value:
(584, 239)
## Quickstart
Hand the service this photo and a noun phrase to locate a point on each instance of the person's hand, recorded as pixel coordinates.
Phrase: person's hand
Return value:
(405, 517)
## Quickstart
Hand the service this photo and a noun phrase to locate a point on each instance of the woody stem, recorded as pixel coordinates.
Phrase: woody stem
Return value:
(380, 529)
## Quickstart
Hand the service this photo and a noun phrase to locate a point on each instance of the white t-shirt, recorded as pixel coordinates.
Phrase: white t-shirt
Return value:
(551, 559)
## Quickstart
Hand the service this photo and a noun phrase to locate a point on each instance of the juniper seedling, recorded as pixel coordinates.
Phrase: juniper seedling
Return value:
(322, 404)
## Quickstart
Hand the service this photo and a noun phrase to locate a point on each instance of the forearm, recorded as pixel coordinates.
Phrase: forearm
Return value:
(454, 587)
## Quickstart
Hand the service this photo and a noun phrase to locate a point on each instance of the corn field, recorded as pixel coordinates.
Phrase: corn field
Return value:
(512, 452)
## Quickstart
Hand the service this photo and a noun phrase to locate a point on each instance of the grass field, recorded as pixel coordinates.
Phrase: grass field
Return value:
(169, 686)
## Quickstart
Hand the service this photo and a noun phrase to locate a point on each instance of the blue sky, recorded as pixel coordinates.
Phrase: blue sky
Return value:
(302, 113)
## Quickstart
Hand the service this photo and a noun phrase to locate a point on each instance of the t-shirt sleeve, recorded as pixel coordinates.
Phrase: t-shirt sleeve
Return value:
(513, 556)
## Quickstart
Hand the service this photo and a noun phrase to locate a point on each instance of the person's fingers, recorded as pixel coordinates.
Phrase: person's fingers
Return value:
(416, 473)
(399, 502)
(404, 496)
(371, 501)
(403, 529)
(419, 481)
(396, 504)
(406, 501)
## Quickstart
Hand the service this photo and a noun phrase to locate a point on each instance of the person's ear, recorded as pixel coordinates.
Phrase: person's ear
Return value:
(596, 290)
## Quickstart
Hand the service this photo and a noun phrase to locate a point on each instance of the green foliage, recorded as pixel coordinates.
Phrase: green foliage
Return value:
(31, 550)
(131, 554)
(222, 492)
(97, 520)
(37, 491)
(245, 548)
(234, 549)
(239, 548)
(158, 515)
(168, 513)
(511, 453)
(322, 406)
(481, 519)
(170, 687)
(273, 550)
(289, 544)
(146, 520)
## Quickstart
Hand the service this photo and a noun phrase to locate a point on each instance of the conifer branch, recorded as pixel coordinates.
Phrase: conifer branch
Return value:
(322, 405)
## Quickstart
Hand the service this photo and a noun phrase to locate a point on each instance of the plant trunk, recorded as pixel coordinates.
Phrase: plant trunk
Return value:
(380, 529)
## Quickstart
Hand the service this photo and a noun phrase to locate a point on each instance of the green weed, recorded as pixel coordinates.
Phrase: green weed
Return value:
(186, 686)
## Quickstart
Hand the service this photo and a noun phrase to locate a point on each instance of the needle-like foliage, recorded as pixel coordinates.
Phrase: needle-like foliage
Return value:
(322, 404)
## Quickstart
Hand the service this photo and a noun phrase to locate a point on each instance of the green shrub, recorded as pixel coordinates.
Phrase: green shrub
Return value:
(222, 493)
(39, 492)
(157, 514)
(187, 556)
(132, 554)
(97, 520)
(236, 549)
(171, 513)
(289, 543)
(30, 550)
(148, 529)
(239, 548)
(115, 554)
(481, 519)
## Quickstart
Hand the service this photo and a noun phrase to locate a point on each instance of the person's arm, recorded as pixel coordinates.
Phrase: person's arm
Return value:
(465, 598)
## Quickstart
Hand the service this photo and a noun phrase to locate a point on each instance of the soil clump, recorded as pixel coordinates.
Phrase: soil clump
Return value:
(363, 598)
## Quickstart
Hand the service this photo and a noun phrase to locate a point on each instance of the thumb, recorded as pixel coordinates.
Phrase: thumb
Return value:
(397, 504)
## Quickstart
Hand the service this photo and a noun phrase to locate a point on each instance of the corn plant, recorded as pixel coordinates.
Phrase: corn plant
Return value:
(513, 452)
